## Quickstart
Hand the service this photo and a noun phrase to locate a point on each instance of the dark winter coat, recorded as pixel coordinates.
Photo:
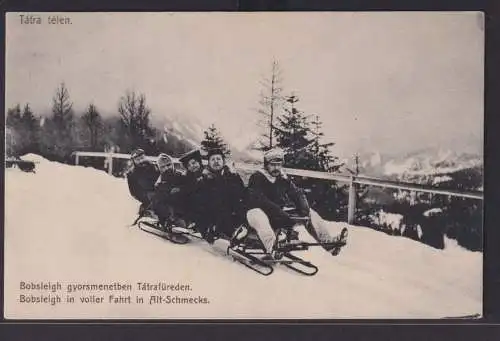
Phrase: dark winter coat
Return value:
(168, 186)
(167, 201)
(192, 196)
(224, 196)
(273, 194)
(191, 184)
(141, 181)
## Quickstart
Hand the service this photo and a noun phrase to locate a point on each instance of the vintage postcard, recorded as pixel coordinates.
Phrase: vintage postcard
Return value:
(220, 165)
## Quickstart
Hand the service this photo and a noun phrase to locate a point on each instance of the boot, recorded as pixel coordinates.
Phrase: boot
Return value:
(338, 242)
(274, 254)
(238, 235)
(209, 235)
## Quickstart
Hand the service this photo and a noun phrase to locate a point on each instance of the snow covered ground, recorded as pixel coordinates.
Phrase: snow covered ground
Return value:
(70, 224)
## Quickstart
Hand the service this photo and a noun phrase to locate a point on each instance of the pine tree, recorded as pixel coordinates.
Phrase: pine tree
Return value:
(304, 149)
(462, 217)
(325, 161)
(326, 197)
(271, 101)
(31, 131)
(13, 123)
(23, 134)
(293, 135)
(59, 135)
(29, 120)
(14, 117)
(214, 140)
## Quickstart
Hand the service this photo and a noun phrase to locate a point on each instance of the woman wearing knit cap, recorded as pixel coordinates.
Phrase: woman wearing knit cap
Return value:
(272, 190)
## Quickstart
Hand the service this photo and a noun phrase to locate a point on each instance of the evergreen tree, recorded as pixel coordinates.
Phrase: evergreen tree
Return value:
(304, 149)
(13, 120)
(271, 101)
(13, 124)
(293, 135)
(302, 140)
(59, 134)
(23, 131)
(325, 161)
(31, 131)
(28, 119)
(462, 218)
(214, 140)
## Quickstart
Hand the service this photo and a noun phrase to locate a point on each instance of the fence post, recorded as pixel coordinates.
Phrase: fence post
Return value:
(110, 164)
(352, 201)
(76, 158)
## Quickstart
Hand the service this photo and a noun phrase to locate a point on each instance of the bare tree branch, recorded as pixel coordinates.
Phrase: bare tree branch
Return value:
(271, 100)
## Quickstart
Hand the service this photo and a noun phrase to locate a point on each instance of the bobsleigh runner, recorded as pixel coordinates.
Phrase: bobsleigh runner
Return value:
(246, 248)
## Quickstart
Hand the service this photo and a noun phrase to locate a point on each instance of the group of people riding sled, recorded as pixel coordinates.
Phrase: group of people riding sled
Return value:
(214, 201)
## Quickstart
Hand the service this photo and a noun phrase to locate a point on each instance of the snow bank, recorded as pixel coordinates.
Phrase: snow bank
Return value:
(391, 220)
(34, 158)
(440, 179)
(71, 224)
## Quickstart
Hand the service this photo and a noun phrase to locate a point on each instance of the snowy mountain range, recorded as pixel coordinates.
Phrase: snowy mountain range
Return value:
(184, 128)
(423, 162)
(191, 130)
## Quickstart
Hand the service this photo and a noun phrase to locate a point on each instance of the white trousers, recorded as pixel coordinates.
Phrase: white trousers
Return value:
(259, 221)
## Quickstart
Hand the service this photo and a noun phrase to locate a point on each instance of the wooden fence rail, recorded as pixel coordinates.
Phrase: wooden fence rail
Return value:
(349, 179)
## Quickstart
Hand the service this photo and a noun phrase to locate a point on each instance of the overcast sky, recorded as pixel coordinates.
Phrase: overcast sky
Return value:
(383, 81)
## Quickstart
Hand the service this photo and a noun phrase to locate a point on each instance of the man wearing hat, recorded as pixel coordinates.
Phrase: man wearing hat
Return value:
(224, 196)
(166, 202)
(272, 190)
(141, 179)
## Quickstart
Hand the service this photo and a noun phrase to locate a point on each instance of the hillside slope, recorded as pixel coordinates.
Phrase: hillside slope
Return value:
(70, 224)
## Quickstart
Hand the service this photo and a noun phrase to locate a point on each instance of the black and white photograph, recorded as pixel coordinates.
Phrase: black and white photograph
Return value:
(260, 165)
